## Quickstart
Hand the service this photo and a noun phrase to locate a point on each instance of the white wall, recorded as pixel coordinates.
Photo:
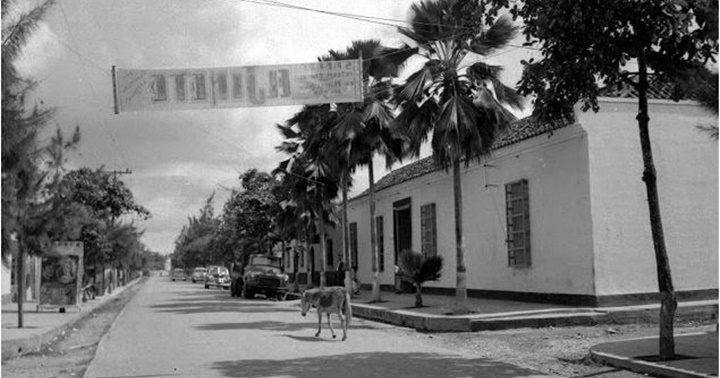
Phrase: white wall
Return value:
(561, 240)
(687, 167)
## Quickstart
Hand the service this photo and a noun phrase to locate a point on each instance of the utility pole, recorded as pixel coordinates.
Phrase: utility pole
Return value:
(115, 174)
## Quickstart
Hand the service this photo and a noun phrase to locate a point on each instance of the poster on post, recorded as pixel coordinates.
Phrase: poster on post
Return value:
(235, 87)
(61, 274)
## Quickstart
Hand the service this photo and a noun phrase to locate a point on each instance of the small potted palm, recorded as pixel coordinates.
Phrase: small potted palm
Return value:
(418, 268)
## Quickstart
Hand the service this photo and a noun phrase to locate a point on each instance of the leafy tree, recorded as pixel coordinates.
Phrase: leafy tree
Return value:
(665, 38)
(418, 268)
(463, 108)
(192, 246)
(31, 213)
(365, 129)
(247, 219)
(105, 198)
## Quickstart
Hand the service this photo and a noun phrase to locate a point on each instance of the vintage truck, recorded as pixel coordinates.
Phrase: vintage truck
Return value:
(262, 275)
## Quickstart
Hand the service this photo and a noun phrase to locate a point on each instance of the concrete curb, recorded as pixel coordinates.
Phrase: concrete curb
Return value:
(18, 347)
(645, 367)
(536, 319)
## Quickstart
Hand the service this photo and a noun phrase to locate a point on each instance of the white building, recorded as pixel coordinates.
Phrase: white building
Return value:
(559, 212)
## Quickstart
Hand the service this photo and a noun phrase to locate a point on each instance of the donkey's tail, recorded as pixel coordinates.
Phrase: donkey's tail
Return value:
(348, 308)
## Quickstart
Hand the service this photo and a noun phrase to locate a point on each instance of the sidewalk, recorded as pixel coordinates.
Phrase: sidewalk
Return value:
(697, 356)
(698, 352)
(41, 327)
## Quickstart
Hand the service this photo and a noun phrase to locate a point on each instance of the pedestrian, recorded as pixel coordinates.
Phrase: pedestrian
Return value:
(341, 266)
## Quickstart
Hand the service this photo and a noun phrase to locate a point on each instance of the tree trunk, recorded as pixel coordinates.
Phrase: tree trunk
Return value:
(308, 279)
(668, 302)
(345, 237)
(323, 254)
(461, 288)
(418, 295)
(296, 260)
(375, 296)
(20, 281)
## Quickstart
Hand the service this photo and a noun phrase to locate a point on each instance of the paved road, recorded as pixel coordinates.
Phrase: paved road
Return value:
(181, 329)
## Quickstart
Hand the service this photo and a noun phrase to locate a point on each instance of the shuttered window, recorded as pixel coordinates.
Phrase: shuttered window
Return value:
(180, 87)
(159, 88)
(428, 230)
(354, 244)
(517, 201)
(329, 251)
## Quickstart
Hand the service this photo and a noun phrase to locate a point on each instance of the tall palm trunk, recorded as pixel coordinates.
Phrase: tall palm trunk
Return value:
(373, 236)
(668, 302)
(20, 280)
(308, 279)
(345, 242)
(323, 255)
(296, 261)
(461, 286)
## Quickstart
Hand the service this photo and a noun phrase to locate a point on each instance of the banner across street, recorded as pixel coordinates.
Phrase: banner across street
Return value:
(235, 87)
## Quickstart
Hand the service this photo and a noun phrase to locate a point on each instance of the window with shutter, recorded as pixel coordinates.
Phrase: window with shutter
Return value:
(517, 203)
(428, 230)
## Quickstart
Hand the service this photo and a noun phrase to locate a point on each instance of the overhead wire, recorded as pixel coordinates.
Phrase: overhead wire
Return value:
(106, 127)
(370, 19)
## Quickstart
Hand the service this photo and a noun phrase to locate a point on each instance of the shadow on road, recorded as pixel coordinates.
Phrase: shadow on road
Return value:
(275, 326)
(312, 339)
(380, 364)
(215, 306)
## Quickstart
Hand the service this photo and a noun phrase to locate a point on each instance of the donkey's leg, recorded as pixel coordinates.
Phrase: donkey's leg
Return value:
(319, 323)
(330, 325)
(343, 324)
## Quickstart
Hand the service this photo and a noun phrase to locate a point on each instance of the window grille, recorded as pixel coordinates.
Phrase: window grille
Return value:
(428, 230)
(517, 201)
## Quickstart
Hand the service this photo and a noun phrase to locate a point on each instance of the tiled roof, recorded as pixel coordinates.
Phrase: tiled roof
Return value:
(517, 131)
(657, 90)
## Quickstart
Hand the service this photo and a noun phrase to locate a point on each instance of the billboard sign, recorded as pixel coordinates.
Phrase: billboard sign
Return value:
(242, 86)
(61, 275)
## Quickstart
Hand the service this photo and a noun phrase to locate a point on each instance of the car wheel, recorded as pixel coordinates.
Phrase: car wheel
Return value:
(193, 281)
(281, 296)
(173, 280)
(207, 286)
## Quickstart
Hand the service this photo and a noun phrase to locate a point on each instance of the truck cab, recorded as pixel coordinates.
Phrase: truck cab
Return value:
(264, 275)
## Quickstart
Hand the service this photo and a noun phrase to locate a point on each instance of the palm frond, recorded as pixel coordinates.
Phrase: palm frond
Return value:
(496, 36)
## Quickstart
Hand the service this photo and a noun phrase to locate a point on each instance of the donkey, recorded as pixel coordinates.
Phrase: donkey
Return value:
(328, 300)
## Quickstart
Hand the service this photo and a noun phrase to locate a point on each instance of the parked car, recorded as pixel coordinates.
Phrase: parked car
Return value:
(217, 276)
(264, 275)
(178, 274)
(199, 274)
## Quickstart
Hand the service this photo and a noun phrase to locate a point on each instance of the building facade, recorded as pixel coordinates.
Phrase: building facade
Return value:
(558, 212)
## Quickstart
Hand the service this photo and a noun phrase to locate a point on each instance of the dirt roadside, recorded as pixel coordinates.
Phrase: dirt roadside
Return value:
(70, 353)
(556, 351)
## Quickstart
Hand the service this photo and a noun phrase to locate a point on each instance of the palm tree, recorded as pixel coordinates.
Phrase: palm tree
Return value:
(365, 129)
(455, 95)
(418, 268)
(307, 140)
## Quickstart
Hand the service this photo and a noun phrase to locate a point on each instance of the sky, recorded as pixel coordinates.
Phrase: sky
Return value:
(179, 158)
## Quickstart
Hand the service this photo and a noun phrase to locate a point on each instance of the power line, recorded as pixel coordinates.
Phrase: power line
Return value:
(369, 19)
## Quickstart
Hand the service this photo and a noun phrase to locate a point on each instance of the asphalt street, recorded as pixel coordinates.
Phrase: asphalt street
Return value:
(181, 329)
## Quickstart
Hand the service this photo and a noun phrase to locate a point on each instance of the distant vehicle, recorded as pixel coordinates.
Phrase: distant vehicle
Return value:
(217, 276)
(199, 274)
(178, 274)
(263, 275)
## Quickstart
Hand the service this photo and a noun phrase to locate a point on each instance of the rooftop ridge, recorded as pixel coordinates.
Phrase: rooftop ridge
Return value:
(516, 132)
